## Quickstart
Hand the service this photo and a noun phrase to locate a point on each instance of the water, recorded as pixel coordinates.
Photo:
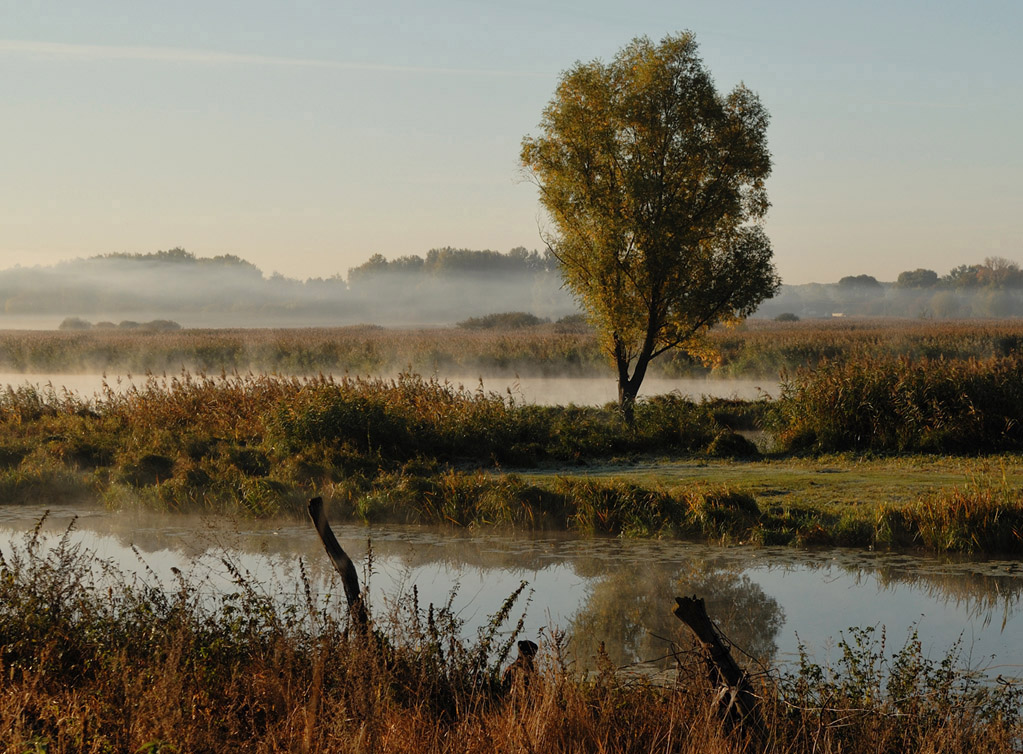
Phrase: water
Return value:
(768, 600)
(551, 391)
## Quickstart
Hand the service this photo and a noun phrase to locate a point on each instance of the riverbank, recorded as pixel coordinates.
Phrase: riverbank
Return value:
(415, 450)
(97, 660)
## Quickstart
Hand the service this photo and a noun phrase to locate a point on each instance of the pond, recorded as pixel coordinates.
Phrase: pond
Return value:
(769, 601)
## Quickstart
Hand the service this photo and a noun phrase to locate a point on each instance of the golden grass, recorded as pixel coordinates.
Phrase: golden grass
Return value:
(116, 664)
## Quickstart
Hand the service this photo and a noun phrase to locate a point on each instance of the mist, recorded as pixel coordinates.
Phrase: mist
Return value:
(440, 289)
(815, 300)
(227, 292)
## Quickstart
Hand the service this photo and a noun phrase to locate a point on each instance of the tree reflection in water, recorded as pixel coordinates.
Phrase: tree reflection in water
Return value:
(630, 613)
(618, 591)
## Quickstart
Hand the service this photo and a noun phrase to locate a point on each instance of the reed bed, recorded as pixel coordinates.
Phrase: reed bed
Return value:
(409, 449)
(415, 450)
(758, 349)
(898, 405)
(95, 661)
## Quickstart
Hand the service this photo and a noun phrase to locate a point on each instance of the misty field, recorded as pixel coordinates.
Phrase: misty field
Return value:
(758, 348)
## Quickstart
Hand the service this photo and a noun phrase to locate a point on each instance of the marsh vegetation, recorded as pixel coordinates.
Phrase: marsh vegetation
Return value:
(757, 349)
(97, 659)
(879, 438)
(422, 450)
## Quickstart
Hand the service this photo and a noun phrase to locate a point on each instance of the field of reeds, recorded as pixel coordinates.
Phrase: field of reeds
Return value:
(899, 405)
(409, 449)
(756, 349)
(415, 450)
(95, 661)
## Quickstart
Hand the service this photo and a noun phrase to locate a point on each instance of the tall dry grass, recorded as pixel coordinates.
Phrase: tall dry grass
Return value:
(757, 349)
(95, 661)
(898, 405)
(409, 450)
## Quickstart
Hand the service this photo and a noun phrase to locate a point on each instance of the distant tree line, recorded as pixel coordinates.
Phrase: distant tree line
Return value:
(994, 273)
(177, 255)
(444, 286)
(451, 261)
(993, 288)
(156, 325)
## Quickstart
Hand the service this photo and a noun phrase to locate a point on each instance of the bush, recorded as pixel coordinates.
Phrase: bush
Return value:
(502, 321)
(74, 323)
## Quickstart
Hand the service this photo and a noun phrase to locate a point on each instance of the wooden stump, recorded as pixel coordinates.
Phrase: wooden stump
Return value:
(738, 704)
(342, 563)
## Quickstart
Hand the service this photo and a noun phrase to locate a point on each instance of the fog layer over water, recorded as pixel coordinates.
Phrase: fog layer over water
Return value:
(617, 591)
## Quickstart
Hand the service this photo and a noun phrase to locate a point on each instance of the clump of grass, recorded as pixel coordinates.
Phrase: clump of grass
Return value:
(899, 405)
(729, 444)
(985, 518)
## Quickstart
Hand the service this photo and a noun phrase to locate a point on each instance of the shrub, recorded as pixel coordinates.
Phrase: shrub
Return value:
(74, 323)
(502, 321)
(730, 444)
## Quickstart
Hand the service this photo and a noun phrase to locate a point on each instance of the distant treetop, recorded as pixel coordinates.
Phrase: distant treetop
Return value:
(177, 255)
(451, 261)
(919, 278)
(502, 321)
(859, 281)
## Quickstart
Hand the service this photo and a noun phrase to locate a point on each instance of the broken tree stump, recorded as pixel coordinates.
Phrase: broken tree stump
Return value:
(522, 670)
(342, 563)
(738, 703)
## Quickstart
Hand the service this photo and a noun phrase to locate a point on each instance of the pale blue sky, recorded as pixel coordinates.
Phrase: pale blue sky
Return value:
(306, 136)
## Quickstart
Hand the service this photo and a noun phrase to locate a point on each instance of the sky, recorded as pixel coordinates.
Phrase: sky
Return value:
(306, 136)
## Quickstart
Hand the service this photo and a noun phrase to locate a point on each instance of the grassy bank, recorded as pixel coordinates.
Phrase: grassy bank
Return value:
(404, 450)
(929, 502)
(94, 661)
(413, 450)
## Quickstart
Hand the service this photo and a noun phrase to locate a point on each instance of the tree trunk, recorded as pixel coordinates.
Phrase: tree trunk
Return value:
(628, 385)
(627, 400)
(342, 563)
(737, 700)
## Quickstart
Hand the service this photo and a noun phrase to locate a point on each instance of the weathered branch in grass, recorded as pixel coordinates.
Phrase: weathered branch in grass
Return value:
(342, 563)
(738, 703)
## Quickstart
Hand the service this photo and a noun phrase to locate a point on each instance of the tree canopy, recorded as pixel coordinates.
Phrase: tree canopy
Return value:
(654, 184)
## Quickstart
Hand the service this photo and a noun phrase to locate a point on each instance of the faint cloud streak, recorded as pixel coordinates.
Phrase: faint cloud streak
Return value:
(96, 53)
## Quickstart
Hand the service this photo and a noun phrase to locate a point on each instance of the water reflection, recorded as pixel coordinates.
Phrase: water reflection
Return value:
(618, 592)
(630, 613)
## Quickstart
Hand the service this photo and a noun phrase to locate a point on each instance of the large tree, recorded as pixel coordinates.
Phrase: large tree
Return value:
(654, 184)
